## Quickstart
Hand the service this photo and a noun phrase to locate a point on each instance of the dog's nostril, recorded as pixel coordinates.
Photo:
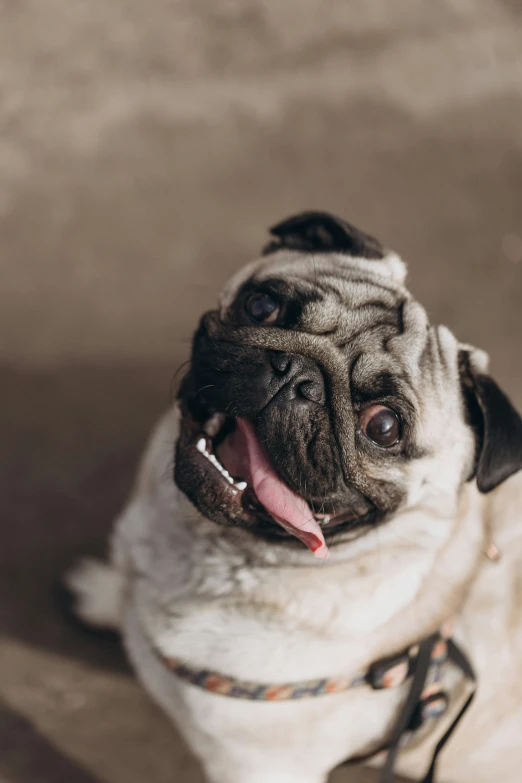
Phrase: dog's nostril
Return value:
(280, 362)
(311, 390)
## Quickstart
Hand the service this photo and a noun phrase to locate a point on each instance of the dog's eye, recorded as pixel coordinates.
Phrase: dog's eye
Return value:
(381, 425)
(263, 308)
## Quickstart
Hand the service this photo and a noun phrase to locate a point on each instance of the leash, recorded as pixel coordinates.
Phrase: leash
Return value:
(410, 717)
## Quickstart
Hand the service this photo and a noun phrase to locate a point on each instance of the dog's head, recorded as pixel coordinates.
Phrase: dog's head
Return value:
(320, 399)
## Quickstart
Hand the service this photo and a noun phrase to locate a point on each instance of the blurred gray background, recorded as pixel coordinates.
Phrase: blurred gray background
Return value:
(144, 149)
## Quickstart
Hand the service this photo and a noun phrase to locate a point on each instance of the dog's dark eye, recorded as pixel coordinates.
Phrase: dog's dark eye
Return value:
(381, 425)
(263, 308)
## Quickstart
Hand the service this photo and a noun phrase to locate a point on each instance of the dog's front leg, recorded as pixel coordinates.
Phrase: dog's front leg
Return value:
(265, 776)
(258, 768)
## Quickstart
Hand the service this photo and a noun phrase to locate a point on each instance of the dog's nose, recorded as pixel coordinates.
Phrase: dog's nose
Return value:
(302, 379)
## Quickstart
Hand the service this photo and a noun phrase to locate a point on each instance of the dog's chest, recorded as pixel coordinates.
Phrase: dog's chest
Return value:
(310, 736)
(276, 623)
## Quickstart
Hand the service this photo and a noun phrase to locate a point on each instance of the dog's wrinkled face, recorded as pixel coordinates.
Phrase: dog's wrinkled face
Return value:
(320, 400)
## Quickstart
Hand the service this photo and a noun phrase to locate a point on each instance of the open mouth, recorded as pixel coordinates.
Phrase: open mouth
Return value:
(235, 467)
(234, 451)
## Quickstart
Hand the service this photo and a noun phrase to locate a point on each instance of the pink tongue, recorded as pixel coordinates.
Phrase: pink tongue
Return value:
(290, 510)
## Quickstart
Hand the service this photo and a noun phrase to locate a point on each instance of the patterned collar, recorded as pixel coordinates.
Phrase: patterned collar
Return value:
(386, 673)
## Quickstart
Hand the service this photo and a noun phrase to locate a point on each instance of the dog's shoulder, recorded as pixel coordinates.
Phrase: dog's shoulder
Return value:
(495, 599)
(157, 461)
(153, 500)
(504, 513)
(510, 492)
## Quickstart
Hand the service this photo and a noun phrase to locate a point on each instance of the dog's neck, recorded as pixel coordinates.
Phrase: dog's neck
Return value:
(374, 597)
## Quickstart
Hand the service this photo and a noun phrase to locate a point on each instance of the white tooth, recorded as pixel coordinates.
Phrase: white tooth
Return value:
(201, 446)
(241, 485)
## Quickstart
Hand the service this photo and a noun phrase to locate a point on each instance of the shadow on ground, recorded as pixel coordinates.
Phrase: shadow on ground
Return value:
(71, 441)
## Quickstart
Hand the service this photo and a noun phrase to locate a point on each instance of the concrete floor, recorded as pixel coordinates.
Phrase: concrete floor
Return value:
(144, 148)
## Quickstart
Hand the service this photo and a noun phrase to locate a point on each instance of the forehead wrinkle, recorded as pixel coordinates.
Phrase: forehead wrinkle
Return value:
(345, 284)
(434, 364)
(363, 325)
(411, 342)
(347, 287)
(355, 295)
(389, 270)
(295, 263)
(371, 365)
(344, 309)
(338, 278)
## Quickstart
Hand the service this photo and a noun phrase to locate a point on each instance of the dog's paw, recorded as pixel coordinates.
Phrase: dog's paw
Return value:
(92, 594)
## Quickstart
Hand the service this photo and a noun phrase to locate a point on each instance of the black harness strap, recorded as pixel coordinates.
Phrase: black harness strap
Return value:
(422, 665)
(456, 655)
(420, 672)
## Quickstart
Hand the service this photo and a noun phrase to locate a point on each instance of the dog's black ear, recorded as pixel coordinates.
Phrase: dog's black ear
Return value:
(497, 426)
(321, 232)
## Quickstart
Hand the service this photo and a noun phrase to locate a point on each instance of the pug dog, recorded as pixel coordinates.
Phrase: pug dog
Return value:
(342, 469)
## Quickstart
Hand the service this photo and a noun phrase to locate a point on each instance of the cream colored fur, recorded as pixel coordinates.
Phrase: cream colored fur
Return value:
(220, 599)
